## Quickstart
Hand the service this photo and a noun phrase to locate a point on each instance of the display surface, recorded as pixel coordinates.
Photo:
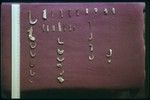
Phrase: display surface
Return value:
(76, 45)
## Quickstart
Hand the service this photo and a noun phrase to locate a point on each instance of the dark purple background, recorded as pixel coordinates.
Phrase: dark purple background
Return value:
(123, 32)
